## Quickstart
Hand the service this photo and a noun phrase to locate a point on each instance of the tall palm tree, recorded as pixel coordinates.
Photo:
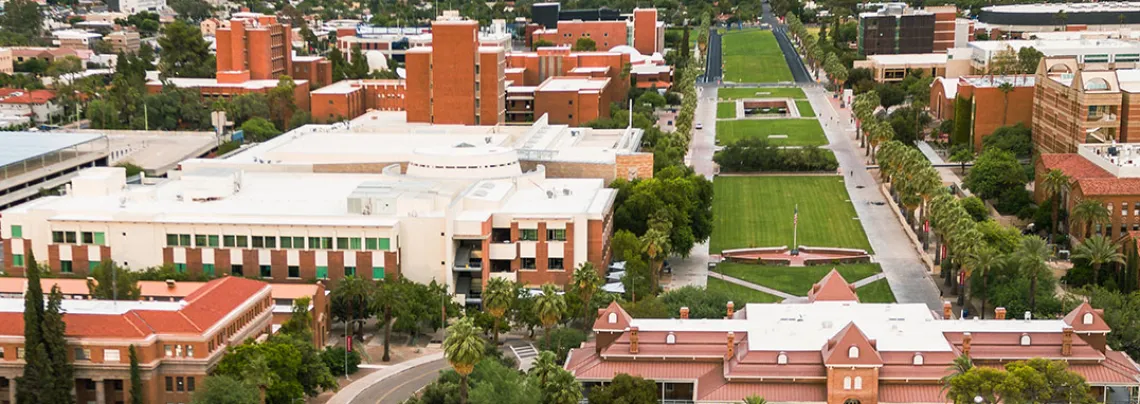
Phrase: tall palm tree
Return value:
(463, 349)
(354, 293)
(1090, 212)
(1054, 185)
(562, 388)
(754, 399)
(1033, 255)
(586, 283)
(655, 243)
(387, 298)
(498, 297)
(1005, 89)
(549, 307)
(1099, 250)
(545, 365)
(980, 263)
(960, 366)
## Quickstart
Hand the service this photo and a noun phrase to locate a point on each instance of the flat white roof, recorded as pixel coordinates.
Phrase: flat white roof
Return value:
(19, 146)
(908, 59)
(995, 81)
(77, 306)
(573, 84)
(1053, 8)
(182, 82)
(1048, 46)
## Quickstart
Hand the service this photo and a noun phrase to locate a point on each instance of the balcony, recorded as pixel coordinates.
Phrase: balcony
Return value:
(504, 251)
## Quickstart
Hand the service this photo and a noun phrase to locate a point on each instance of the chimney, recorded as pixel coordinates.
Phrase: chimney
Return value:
(966, 337)
(684, 313)
(1067, 342)
(633, 340)
(730, 309)
(731, 340)
(170, 284)
(1028, 315)
(999, 313)
(947, 311)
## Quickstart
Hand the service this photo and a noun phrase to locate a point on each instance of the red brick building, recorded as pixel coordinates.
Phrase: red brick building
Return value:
(990, 106)
(834, 349)
(256, 43)
(352, 98)
(455, 80)
(641, 31)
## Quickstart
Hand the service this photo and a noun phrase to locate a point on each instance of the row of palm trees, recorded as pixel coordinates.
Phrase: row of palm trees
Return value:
(1089, 214)
(870, 130)
(816, 56)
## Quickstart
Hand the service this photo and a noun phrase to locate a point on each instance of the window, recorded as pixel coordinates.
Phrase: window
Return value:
(181, 383)
(858, 382)
(286, 242)
(190, 353)
(82, 354)
(671, 339)
(65, 267)
(1025, 341)
(169, 350)
(171, 239)
(200, 240)
(1087, 318)
(853, 352)
(236, 270)
(208, 269)
(918, 360)
(294, 271)
(1, 352)
(556, 234)
(528, 234)
(69, 237)
(180, 268)
(169, 383)
(782, 359)
(88, 237)
(257, 241)
(178, 351)
(17, 231)
(342, 243)
(242, 241)
(554, 263)
(322, 273)
(847, 383)
(57, 237)
(111, 355)
(377, 273)
(18, 260)
(190, 383)
(184, 240)
(212, 240)
(349, 271)
(354, 243)
(117, 385)
(266, 271)
(376, 244)
(528, 263)
(227, 241)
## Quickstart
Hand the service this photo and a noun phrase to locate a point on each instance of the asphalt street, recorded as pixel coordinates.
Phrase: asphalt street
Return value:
(713, 62)
(799, 71)
(399, 387)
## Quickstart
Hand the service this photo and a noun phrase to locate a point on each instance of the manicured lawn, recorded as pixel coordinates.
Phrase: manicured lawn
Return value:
(876, 292)
(725, 110)
(753, 57)
(799, 132)
(732, 93)
(757, 212)
(805, 108)
(741, 295)
(795, 280)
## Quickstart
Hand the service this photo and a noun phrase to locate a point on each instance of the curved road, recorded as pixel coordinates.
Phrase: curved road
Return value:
(401, 386)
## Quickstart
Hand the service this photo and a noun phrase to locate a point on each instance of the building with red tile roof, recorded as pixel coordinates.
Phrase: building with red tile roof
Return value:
(833, 349)
(177, 342)
(1109, 173)
(18, 105)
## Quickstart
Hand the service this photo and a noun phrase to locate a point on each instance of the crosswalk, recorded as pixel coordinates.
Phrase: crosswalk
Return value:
(526, 354)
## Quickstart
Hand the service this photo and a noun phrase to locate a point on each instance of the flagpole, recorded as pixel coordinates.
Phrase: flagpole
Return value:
(796, 228)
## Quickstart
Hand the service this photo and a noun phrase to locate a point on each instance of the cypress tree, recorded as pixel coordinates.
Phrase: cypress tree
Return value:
(59, 392)
(136, 379)
(37, 367)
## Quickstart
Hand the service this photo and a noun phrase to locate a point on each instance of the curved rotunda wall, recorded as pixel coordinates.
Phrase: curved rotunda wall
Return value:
(464, 162)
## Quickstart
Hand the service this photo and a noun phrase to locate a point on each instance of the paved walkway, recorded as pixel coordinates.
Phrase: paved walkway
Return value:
(866, 281)
(949, 174)
(694, 270)
(393, 384)
(754, 286)
(909, 279)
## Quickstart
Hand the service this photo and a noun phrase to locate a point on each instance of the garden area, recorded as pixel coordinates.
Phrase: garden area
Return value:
(799, 280)
(753, 57)
(781, 132)
(757, 212)
(735, 93)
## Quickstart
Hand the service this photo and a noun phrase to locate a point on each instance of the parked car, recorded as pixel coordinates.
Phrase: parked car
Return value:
(699, 126)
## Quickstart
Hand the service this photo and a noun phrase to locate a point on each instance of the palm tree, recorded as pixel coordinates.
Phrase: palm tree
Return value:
(386, 299)
(545, 365)
(962, 156)
(979, 263)
(463, 348)
(498, 297)
(354, 292)
(1099, 250)
(655, 243)
(960, 366)
(259, 374)
(549, 307)
(754, 399)
(1005, 89)
(1033, 255)
(1091, 212)
(1054, 184)
(586, 282)
(882, 132)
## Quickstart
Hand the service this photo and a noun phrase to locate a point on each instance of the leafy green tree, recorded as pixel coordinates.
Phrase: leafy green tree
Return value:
(625, 389)
(137, 395)
(281, 101)
(976, 208)
(962, 155)
(463, 349)
(562, 340)
(541, 43)
(963, 122)
(994, 171)
(358, 67)
(225, 390)
(247, 106)
(652, 98)
(561, 388)
(584, 45)
(22, 22)
(1027, 59)
(300, 320)
(754, 399)
(259, 130)
(1099, 250)
(184, 52)
(54, 329)
(498, 297)
(194, 10)
(1016, 138)
(299, 119)
(979, 263)
(284, 367)
(32, 386)
(340, 360)
(145, 55)
(685, 196)
(66, 65)
(549, 307)
(339, 65)
(102, 114)
(1033, 381)
(109, 281)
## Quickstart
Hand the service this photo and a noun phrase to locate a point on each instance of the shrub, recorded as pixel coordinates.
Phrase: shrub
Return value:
(132, 169)
(1015, 201)
(994, 172)
(976, 208)
(336, 358)
(1017, 139)
(562, 340)
(753, 155)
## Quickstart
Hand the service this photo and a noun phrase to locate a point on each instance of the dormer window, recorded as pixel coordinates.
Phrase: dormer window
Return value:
(670, 339)
(918, 360)
(1087, 319)
(612, 318)
(1025, 340)
(853, 352)
(782, 359)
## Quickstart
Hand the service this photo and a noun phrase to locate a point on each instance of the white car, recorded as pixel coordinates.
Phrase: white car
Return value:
(700, 126)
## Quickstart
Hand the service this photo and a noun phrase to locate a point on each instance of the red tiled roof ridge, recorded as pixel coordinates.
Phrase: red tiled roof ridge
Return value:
(150, 330)
(833, 287)
(188, 320)
(1073, 165)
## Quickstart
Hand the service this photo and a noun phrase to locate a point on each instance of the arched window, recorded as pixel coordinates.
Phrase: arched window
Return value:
(853, 352)
(782, 359)
(1025, 339)
(1096, 84)
(847, 383)
(858, 382)
(1059, 68)
(612, 318)
(1087, 318)
(918, 360)
(670, 339)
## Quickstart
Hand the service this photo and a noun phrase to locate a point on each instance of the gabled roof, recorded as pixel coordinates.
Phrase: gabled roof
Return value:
(620, 319)
(837, 351)
(1073, 165)
(832, 288)
(1076, 319)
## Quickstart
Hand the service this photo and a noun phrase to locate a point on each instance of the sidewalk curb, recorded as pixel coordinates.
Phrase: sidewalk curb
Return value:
(914, 242)
(349, 393)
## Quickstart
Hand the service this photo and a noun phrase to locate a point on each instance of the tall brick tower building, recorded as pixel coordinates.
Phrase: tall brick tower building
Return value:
(256, 45)
(463, 83)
